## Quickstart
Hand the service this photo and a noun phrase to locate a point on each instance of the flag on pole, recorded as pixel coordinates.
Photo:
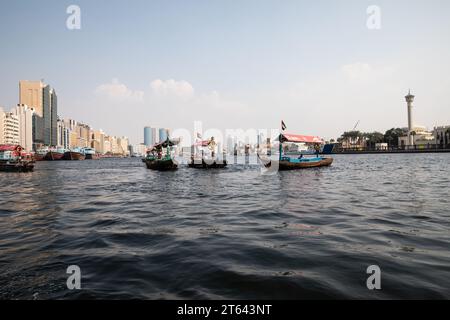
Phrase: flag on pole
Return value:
(283, 125)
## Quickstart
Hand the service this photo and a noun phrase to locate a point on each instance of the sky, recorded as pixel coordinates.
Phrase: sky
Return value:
(232, 64)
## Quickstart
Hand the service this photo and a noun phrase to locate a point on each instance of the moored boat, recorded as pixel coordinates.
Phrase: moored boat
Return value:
(40, 154)
(55, 154)
(90, 154)
(74, 154)
(13, 159)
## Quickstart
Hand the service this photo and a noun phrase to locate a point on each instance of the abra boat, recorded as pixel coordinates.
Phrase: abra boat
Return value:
(155, 160)
(13, 159)
(40, 154)
(55, 154)
(90, 154)
(204, 156)
(303, 160)
(74, 154)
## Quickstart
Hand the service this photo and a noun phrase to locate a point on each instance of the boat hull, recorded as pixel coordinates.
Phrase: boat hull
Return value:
(90, 156)
(71, 155)
(53, 156)
(286, 165)
(161, 164)
(21, 166)
(213, 164)
(39, 157)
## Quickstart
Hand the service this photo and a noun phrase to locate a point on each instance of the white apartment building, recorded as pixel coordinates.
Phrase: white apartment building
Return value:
(9, 128)
(24, 114)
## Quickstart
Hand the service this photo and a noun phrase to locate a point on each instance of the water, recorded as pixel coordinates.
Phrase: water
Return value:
(232, 234)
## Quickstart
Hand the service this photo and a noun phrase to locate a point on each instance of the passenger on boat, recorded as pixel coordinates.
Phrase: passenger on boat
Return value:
(317, 148)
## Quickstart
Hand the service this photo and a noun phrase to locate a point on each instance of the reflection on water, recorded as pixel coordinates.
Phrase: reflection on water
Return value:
(232, 233)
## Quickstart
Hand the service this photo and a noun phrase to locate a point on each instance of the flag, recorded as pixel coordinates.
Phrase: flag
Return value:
(283, 125)
(199, 135)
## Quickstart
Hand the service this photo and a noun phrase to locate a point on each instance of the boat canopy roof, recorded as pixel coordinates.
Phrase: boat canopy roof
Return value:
(203, 143)
(165, 144)
(10, 147)
(298, 138)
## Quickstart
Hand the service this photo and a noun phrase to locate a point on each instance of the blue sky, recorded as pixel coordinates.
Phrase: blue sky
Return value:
(232, 64)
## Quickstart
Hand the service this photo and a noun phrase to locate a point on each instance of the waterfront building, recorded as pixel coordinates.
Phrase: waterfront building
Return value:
(84, 137)
(63, 134)
(163, 134)
(73, 140)
(25, 116)
(442, 136)
(138, 150)
(50, 110)
(418, 136)
(43, 99)
(122, 145)
(150, 136)
(31, 94)
(98, 141)
(9, 128)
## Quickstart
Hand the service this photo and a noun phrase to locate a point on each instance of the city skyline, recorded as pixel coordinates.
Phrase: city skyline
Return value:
(171, 64)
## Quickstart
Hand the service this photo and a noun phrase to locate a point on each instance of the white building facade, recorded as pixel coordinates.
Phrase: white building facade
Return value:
(9, 128)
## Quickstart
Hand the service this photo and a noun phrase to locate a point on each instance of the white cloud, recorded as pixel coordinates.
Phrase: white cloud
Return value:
(116, 91)
(172, 88)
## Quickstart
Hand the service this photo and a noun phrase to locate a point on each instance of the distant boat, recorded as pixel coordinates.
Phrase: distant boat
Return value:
(90, 154)
(205, 157)
(55, 154)
(302, 161)
(74, 154)
(155, 159)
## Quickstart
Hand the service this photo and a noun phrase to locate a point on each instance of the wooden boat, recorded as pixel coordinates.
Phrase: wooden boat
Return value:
(54, 155)
(207, 164)
(90, 154)
(302, 161)
(155, 159)
(13, 159)
(295, 164)
(204, 156)
(164, 164)
(74, 155)
(40, 154)
(17, 166)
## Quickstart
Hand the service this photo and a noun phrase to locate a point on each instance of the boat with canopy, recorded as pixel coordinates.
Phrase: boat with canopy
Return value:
(159, 157)
(205, 155)
(14, 159)
(307, 159)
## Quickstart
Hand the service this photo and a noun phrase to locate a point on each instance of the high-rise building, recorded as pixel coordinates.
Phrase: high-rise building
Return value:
(50, 107)
(163, 134)
(122, 144)
(30, 94)
(43, 99)
(98, 141)
(63, 134)
(25, 116)
(9, 128)
(150, 136)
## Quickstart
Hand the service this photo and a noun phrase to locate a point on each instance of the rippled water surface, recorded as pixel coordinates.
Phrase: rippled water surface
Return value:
(232, 233)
